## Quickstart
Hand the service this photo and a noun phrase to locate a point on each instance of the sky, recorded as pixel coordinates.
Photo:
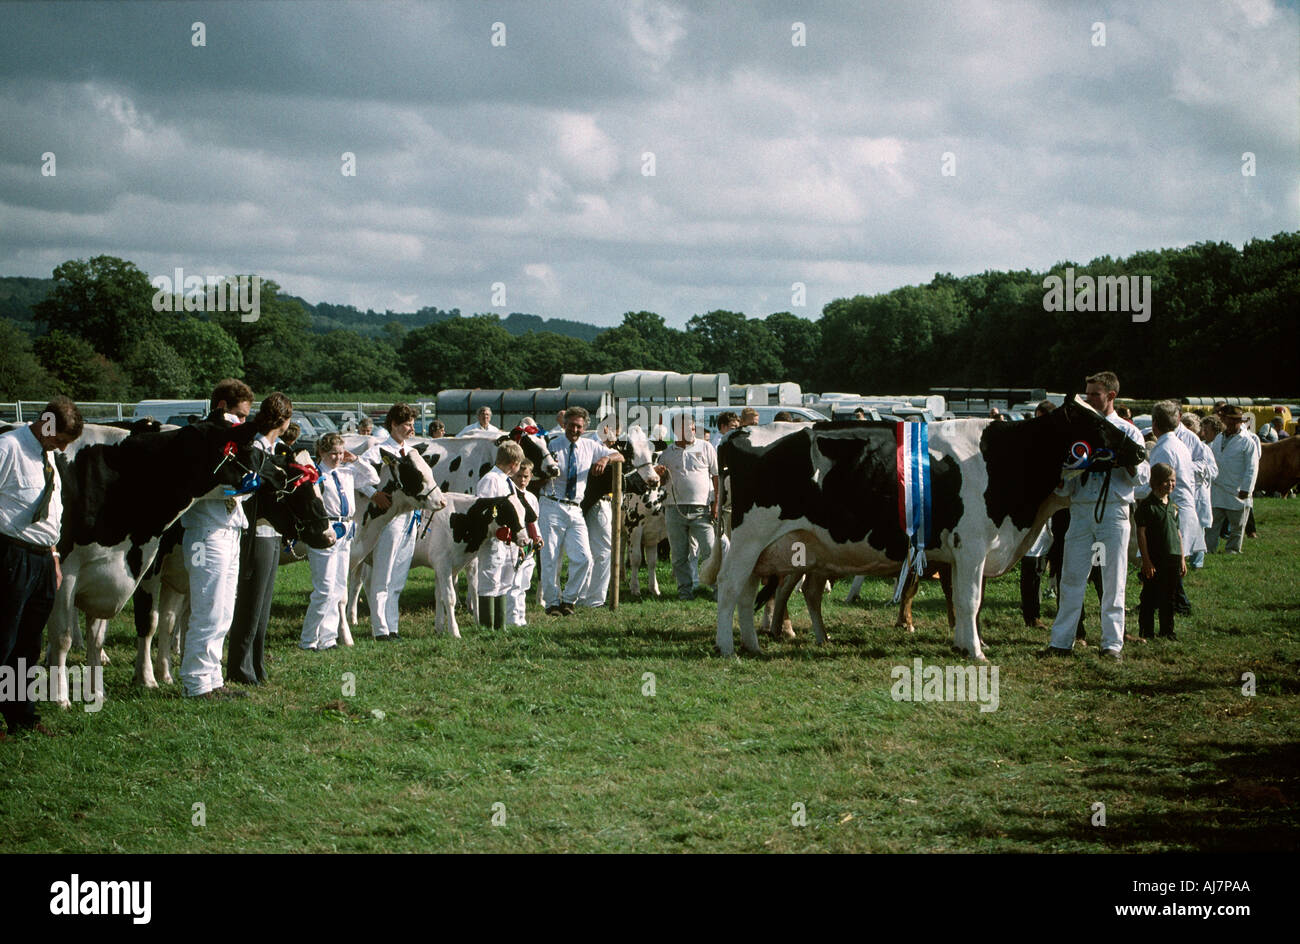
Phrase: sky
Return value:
(582, 159)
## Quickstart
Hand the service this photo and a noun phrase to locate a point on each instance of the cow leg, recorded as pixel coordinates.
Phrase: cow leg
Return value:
(813, 591)
(445, 611)
(910, 586)
(945, 582)
(968, 586)
(854, 590)
(736, 586)
(357, 574)
(96, 631)
(173, 605)
(63, 617)
(146, 625)
(652, 569)
(748, 591)
(780, 614)
(634, 562)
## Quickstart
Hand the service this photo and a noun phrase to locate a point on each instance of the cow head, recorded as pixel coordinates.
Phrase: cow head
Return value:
(411, 475)
(534, 446)
(296, 509)
(1105, 442)
(638, 453)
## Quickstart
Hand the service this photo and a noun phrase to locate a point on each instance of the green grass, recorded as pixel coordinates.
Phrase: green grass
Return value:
(551, 721)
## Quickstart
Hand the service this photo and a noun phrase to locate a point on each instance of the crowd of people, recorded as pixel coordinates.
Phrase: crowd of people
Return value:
(1195, 492)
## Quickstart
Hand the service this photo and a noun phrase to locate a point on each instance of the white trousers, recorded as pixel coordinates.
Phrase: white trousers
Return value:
(600, 541)
(1076, 563)
(329, 588)
(1236, 518)
(564, 530)
(521, 580)
(212, 559)
(495, 558)
(389, 565)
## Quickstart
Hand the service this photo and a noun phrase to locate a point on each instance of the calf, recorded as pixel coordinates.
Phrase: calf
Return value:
(826, 500)
(644, 526)
(1279, 467)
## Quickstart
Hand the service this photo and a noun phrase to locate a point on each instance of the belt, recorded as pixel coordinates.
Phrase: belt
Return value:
(25, 545)
(338, 518)
(562, 501)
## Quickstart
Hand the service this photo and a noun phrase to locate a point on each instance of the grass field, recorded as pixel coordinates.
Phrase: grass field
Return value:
(551, 721)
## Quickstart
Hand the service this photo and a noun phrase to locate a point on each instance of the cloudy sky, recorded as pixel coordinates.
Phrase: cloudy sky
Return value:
(525, 162)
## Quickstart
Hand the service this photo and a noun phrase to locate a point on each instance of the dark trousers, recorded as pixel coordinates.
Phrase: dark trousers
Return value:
(1031, 578)
(1159, 593)
(245, 660)
(28, 595)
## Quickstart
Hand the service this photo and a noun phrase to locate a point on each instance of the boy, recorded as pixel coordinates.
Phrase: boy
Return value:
(525, 562)
(340, 475)
(495, 556)
(1161, 545)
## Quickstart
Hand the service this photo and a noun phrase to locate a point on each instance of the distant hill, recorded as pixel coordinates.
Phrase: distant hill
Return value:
(18, 294)
(326, 317)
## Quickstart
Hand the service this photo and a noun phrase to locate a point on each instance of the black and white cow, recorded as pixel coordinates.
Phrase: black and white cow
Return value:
(120, 495)
(453, 538)
(832, 489)
(161, 601)
(645, 527)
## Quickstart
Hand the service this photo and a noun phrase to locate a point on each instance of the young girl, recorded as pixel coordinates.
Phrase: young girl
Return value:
(495, 556)
(525, 561)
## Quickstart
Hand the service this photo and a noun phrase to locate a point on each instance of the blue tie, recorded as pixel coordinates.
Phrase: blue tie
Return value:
(571, 482)
(343, 499)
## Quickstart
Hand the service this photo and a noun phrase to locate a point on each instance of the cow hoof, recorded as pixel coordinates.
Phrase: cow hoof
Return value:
(787, 631)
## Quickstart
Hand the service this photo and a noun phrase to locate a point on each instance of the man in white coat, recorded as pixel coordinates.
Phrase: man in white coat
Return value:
(213, 527)
(1237, 452)
(1206, 469)
(390, 561)
(1112, 533)
(564, 529)
(483, 425)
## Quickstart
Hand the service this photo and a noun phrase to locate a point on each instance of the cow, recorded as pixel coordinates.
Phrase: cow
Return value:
(1279, 467)
(460, 462)
(832, 490)
(161, 605)
(121, 493)
(452, 539)
(644, 526)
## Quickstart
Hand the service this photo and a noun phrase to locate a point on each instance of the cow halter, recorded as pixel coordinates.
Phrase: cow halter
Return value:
(250, 482)
(1084, 460)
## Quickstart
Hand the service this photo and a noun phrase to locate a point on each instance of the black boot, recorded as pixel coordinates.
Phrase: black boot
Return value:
(499, 612)
(485, 612)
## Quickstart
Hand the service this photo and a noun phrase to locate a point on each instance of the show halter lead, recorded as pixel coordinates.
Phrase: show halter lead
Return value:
(912, 458)
(1084, 461)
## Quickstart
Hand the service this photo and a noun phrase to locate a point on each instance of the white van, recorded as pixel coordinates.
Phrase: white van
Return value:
(176, 412)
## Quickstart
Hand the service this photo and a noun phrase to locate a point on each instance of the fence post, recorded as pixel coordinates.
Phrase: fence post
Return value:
(616, 534)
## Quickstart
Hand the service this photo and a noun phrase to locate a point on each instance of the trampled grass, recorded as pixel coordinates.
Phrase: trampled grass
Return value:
(551, 721)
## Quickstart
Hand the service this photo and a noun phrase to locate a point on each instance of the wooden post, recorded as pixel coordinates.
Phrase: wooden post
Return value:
(616, 534)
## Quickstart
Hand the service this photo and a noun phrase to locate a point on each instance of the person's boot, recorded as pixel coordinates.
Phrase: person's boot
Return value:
(485, 612)
(499, 612)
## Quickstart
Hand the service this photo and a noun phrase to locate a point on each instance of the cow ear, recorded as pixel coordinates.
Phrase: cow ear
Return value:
(387, 458)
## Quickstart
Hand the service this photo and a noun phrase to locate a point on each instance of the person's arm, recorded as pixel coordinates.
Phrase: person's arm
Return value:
(1148, 568)
(608, 456)
(717, 496)
(1252, 470)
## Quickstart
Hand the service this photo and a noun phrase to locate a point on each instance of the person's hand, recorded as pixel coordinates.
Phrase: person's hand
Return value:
(599, 465)
(538, 544)
(348, 457)
(58, 573)
(1243, 494)
(381, 500)
(1148, 569)
(713, 512)
(1182, 566)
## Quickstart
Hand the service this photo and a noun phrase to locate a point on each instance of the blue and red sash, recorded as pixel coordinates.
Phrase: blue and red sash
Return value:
(912, 456)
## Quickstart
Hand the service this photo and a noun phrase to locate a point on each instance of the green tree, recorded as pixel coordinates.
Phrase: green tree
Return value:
(21, 375)
(107, 301)
(157, 371)
(463, 353)
(800, 343)
(743, 348)
(546, 355)
(277, 349)
(349, 363)
(79, 371)
(209, 353)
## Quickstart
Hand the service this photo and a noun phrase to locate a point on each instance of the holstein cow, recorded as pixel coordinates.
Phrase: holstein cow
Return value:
(290, 502)
(1279, 467)
(644, 526)
(410, 484)
(833, 490)
(121, 493)
(453, 538)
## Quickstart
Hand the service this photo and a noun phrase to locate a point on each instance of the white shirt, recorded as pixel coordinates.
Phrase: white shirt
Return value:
(1123, 486)
(1268, 434)
(1170, 450)
(474, 428)
(585, 451)
(495, 484)
(691, 468)
(1238, 458)
(264, 527)
(22, 482)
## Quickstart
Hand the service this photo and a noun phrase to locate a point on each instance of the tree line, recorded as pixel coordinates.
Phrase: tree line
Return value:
(1221, 319)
